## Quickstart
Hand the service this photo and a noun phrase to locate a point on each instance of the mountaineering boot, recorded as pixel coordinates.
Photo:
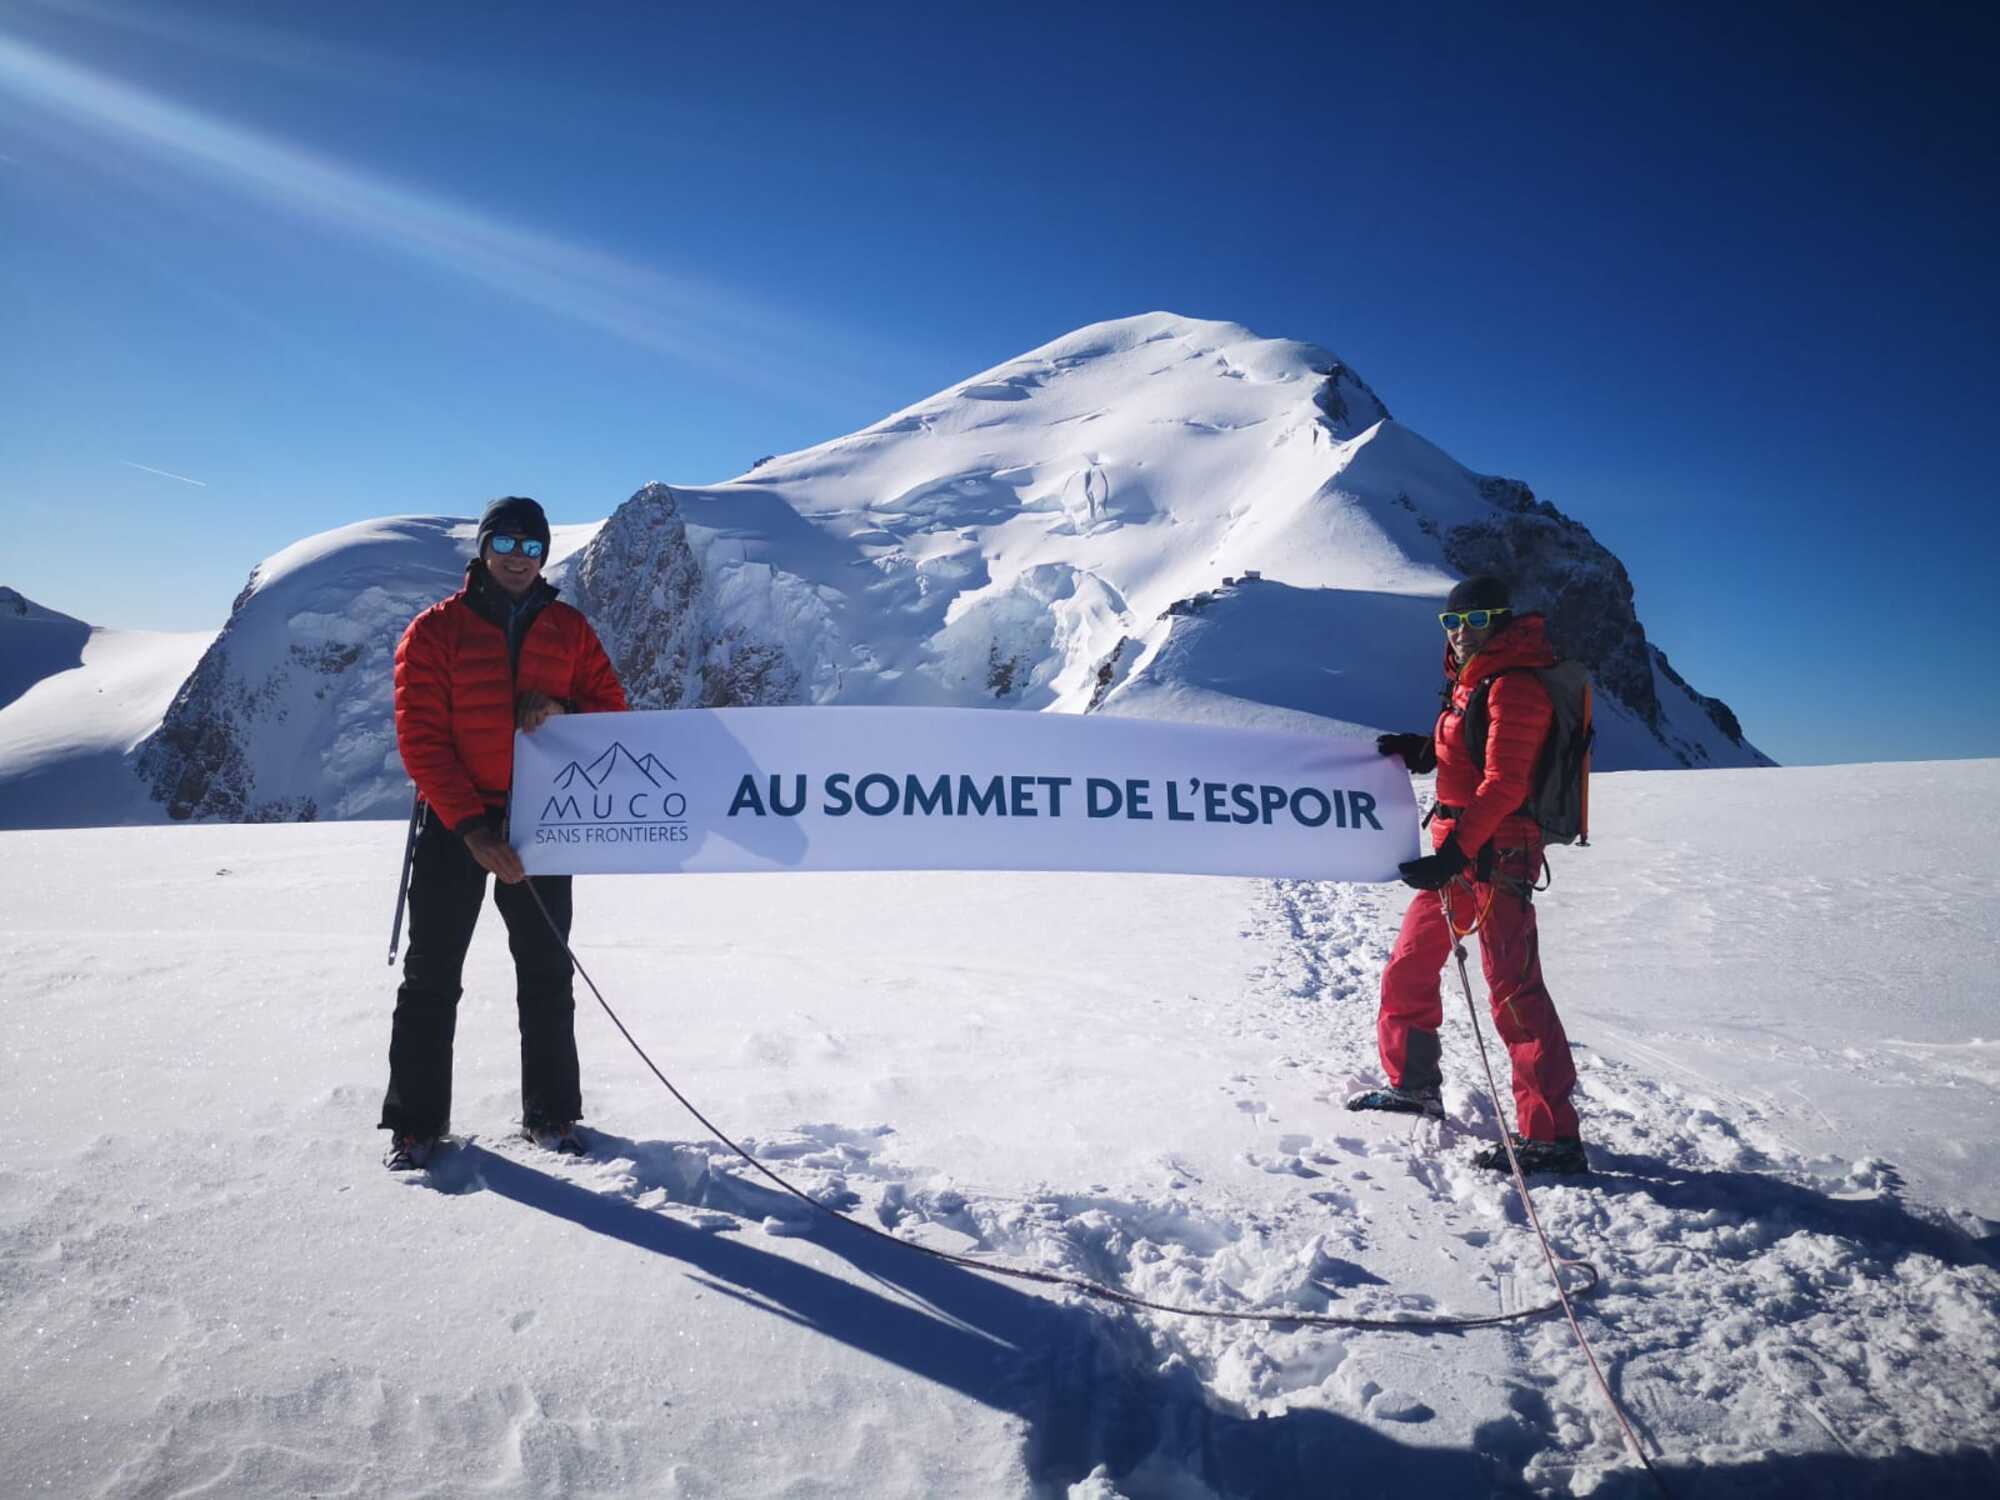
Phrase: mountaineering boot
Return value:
(1428, 1101)
(410, 1153)
(564, 1138)
(1565, 1155)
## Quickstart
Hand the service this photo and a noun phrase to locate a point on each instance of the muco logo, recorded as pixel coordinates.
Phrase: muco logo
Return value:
(618, 798)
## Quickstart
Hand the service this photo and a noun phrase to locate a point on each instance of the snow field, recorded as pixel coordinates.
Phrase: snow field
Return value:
(79, 712)
(209, 1286)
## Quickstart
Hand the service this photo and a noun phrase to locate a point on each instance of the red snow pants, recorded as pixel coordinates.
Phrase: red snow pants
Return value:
(1523, 1013)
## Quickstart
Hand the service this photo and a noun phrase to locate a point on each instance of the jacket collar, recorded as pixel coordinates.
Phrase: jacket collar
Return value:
(493, 603)
(1521, 642)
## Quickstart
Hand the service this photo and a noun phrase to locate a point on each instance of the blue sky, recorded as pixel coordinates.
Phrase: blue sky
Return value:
(1717, 281)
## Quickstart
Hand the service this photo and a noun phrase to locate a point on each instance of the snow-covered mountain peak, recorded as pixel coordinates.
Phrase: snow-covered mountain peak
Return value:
(1066, 530)
(15, 605)
(35, 643)
(1126, 354)
(75, 700)
(1108, 386)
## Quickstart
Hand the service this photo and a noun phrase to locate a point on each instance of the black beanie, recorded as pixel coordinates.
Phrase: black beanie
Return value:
(1482, 591)
(515, 515)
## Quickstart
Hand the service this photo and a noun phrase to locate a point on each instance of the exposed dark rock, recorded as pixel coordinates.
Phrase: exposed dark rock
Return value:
(195, 762)
(1718, 712)
(1002, 670)
(1194, 604)
(1513, 496)
(1347, 402)
(738, 672)
(641, 586)
(1555, 566)
(1107, 675)
(198, 763)
(284, 810)
(330, 658)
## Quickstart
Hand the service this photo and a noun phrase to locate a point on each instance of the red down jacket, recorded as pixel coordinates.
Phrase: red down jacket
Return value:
(1518, 716)
(457, 684)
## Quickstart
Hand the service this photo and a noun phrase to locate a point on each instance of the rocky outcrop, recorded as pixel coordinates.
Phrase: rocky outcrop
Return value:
(1347, 401)
(1719, 713)
(196, 763)
(739, 671)
(1107, 676)
(287, 716)
(1557, 567)
(642, 587)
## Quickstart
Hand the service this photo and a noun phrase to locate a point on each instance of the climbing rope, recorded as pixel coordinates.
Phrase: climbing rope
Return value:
(1077, 1283)
(1556, 1262)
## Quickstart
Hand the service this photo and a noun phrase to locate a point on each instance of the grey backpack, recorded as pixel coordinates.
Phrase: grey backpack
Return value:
(1559, 792)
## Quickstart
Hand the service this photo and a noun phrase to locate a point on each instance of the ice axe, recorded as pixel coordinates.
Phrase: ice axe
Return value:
(403, 885)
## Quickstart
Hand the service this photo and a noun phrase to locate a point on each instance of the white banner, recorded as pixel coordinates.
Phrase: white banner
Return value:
(707, 790)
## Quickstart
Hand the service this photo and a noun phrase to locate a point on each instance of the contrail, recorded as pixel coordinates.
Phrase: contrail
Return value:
(198, 483)
(684, 317)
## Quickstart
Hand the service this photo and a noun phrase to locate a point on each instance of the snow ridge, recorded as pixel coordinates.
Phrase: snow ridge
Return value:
(1047, 535)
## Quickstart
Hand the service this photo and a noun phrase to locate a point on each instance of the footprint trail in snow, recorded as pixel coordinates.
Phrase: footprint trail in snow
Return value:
(1740, 1280)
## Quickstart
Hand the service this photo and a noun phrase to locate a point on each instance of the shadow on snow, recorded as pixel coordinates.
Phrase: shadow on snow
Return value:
(1880, 1226)
(1091, 1387)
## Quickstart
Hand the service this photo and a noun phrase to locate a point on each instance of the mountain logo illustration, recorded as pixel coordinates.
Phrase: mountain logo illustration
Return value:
(613, 762)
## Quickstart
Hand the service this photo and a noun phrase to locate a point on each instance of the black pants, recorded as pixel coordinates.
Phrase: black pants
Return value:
(447, 888)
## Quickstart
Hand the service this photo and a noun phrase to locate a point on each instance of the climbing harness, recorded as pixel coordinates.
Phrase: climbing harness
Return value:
(1078, 1283)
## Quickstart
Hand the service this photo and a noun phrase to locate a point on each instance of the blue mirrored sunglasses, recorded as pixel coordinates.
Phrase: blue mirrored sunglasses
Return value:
(530, 546)
(1476, 619)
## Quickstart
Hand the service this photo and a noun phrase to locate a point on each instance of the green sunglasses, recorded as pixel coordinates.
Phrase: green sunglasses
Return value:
(1475, 619)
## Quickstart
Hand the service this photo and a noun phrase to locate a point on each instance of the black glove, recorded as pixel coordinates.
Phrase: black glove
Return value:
(1434, 872)
(1417, 750)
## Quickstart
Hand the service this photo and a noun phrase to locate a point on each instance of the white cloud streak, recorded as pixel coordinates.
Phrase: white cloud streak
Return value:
(164, 474)
(679, 316)
(203, 28)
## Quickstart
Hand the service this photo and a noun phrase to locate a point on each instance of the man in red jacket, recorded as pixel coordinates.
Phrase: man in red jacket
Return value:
(501, 653)
(1488, 859)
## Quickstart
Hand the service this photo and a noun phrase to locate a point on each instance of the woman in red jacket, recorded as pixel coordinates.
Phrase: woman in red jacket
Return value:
(1489, 856)
(499, 654)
